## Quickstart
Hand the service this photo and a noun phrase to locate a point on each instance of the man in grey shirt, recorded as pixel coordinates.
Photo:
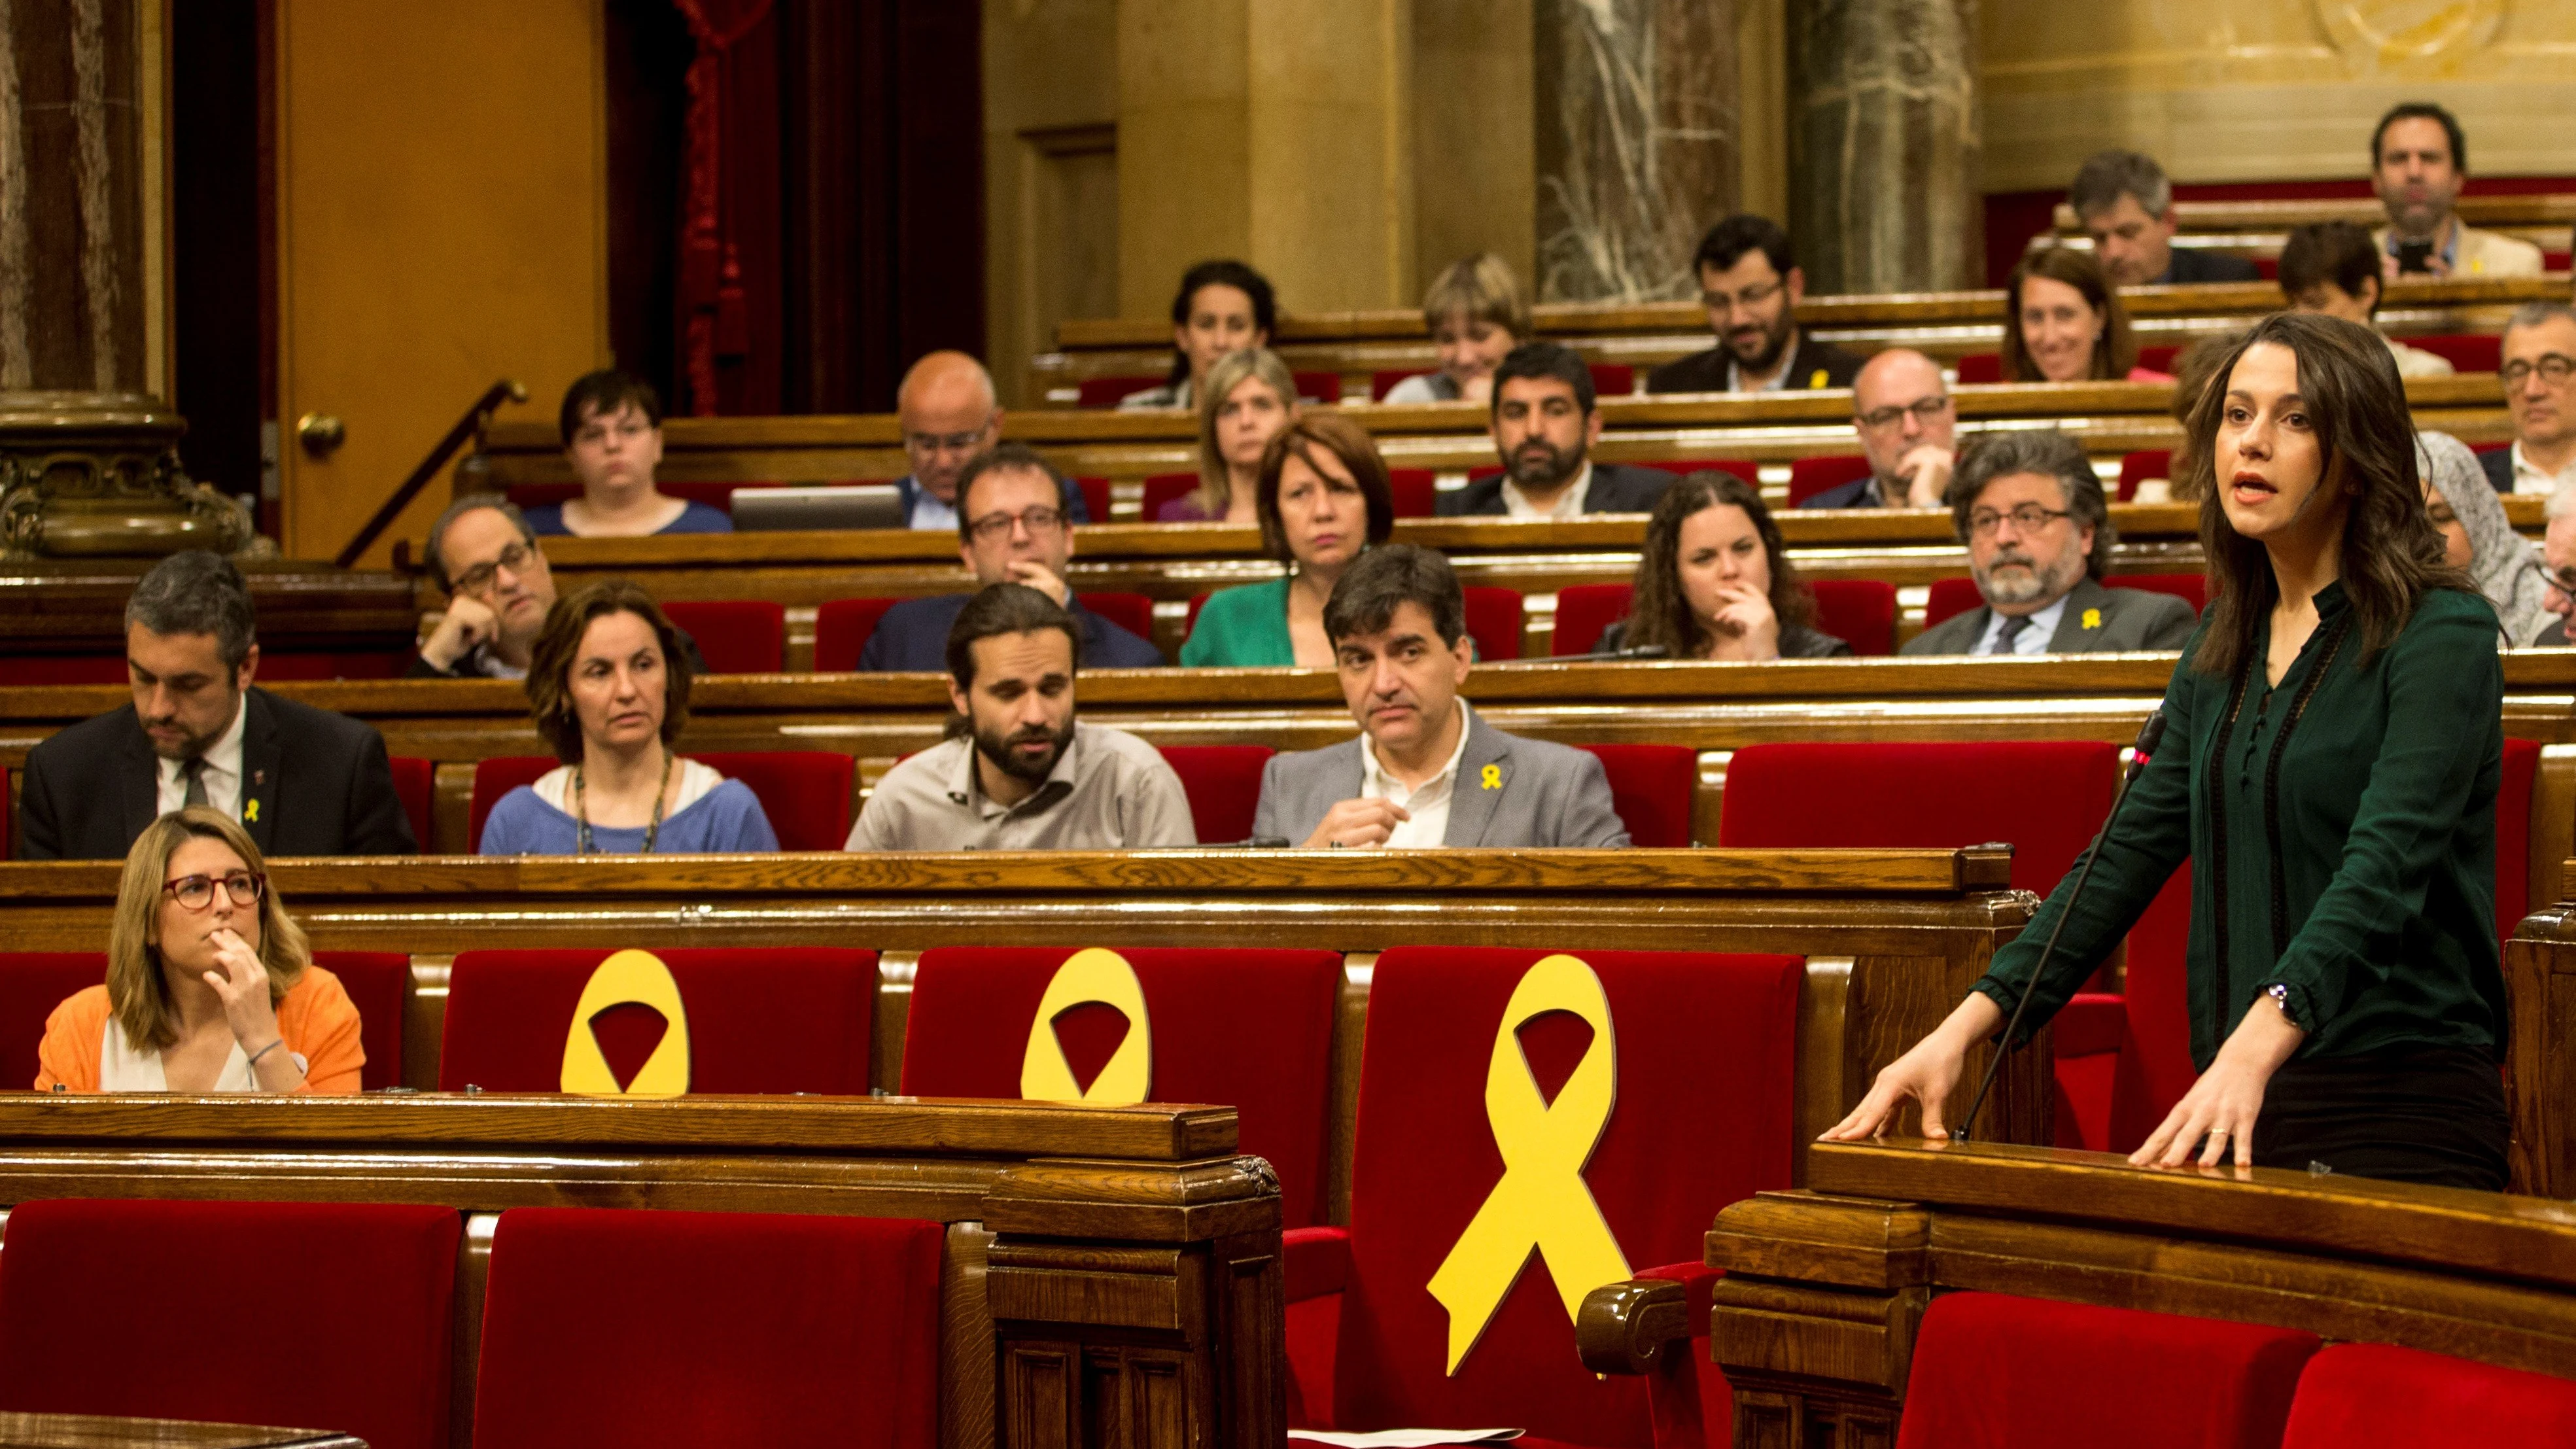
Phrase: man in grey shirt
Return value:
(1024, 775)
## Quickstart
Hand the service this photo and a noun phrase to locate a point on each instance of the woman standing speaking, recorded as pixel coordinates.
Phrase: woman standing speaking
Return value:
(2334, 737)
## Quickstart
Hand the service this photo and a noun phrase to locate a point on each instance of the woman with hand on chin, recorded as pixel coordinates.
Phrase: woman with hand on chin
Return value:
(1715, 583)
(210, 987)
(1323, 500)
(610, 690)
(2333, 742)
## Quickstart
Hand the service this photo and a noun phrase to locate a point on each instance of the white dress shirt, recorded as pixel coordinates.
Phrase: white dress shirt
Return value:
(929, 512)
(223, 770)
(2528, 478)
(1569, 504)
(1427, 803)
(2033, 640)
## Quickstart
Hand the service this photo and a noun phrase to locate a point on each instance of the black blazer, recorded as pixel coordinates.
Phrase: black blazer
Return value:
(913, 637)
(1616, 488)
(2499, 466)
(1817, 364)
(2185, 265)
(313, 783)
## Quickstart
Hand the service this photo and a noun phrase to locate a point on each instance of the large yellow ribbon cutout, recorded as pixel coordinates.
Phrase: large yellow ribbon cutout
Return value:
(1542, 1201)
(640, 978)
(1092, 975)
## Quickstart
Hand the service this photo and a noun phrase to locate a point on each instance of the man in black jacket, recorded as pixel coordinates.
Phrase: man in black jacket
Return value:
(2126, 205)
(302, 781)
(1545, 423)
(1751, 287)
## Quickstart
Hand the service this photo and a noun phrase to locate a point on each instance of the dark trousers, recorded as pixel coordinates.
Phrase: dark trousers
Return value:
(2434, 1116)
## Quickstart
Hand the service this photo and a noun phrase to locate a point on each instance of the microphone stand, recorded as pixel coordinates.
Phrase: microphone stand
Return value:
(2149, 735)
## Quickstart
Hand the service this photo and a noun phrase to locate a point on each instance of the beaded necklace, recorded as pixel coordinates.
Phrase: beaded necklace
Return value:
(582, 843)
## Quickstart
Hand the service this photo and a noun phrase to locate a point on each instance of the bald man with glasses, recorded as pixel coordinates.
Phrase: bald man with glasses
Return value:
(950, 417)
(1909, 431)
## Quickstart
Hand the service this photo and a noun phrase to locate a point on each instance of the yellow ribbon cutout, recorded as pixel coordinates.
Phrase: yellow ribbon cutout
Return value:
(640, 978)
(1493, 777)
(1542, 1201)
(1093, 975)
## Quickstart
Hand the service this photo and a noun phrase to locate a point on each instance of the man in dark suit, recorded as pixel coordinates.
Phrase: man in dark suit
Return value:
(1751, 287)
(2030, 509)
(1012, 529)
(302, 781)
(1545, 421)
(2125, 204)
(499, 588)
(1908, 430)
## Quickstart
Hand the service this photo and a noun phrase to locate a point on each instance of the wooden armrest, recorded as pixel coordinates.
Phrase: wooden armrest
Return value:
(1624, 1327)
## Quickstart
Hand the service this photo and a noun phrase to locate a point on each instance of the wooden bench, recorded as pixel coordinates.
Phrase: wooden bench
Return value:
(2259, 228)
(1815, 1320)
(1110, 1275)
(2540, 979)
(1891, 938)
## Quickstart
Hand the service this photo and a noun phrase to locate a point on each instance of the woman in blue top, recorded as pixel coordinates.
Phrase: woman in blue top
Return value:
(612, 428)
(1322, 498)
(610, 689)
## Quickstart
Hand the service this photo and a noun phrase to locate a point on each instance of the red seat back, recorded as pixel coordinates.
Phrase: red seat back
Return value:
(1131, 612)
(31, 670)
(1583, 612)
(1416, 494)
(1704, 1053)
(1652, 787)
(1613, 379)
(415, 784)
(1318, 387)
(805, 793)
(1104, 392)
(1950, 598)
(494, 778)
(32, 984)
(1246, 1028)
(1860, 612)
(1163, 489)
(735, 636)
(768, 1019)
(2469, 353)
(2044, 798)
(2159, 358)
(617, 1327)
(378, 983)
(1981, 367)
(1224, 786)
(2002, 1372)
(841, 630)
(2138, 467)
(2513, 834)
(325, 664)
(106, 1308)
(1494, 621)
(2374, 1396)
(1095, 497)
(1744, 468)
(1811, 476)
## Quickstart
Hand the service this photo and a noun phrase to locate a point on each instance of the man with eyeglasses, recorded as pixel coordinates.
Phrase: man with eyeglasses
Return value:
(483, 555)
(1908, 429)
(950, 417)
(2031, 510)
(1013, 528)
(302, 781)
(1751, 286)
(2558, 562)
(2539, 373)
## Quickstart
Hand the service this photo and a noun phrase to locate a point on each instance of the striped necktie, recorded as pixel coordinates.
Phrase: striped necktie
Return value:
(195, 771)
(2013, 625)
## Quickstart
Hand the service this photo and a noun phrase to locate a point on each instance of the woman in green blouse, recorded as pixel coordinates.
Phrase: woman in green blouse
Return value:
(1322, 499)
(2334, 736)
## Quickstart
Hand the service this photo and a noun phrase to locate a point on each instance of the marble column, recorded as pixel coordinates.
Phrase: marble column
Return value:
(1883, 144)
(1638, 143)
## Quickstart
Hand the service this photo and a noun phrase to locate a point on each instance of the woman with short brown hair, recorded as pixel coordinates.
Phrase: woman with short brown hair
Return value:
(1323, 499)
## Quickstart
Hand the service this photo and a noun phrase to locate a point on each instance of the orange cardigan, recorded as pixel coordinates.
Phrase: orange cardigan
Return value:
(317, 1018)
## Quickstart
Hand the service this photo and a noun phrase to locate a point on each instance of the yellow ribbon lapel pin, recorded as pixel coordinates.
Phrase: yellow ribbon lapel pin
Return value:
(2092, 618)
(1493, 777)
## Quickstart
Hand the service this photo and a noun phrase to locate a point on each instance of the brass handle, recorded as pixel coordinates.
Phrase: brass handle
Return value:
(321, 433)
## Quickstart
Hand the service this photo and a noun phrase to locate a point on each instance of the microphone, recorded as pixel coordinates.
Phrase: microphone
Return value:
(1641, 651)
(2150, 735)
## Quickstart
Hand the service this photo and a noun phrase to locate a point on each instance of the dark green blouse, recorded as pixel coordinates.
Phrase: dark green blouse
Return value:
(2341, 834)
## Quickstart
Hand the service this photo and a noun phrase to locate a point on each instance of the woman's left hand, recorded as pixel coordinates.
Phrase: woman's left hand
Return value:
(1744, 618)
(2222, 1105)
(242, 985)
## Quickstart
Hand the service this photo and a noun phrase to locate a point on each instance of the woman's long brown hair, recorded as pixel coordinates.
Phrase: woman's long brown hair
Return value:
(2356, 405)
(2114, 352)
(1660, 613)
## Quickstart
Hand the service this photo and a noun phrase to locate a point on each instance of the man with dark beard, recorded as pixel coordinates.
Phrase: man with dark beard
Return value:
(1751, 287)
(1545, 423)
(2030, 509)
(1017, 772)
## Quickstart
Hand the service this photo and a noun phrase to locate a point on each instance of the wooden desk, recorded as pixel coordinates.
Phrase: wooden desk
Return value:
(78, 607)
(2540, 1058)
(1129, 1241)
(98, 1431)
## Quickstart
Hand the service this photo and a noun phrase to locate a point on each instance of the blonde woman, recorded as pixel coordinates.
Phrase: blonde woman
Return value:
(1475, 315)
(1249, 399)
(210, 987)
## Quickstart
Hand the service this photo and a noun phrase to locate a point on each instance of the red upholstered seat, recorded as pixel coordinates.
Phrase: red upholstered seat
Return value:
(1104, 392)
(120, 1307)
(1095, 497)
(494, 778)
(841, 630)
(1613, 379)
(1651, 786)
(377, 983)
(24, 670)
(1950, 598)
(5, 814)
(1494, 621)
(2192, 589)
(415, 782)
(1981, 367)
(2138, 467)
(761, 1019)
(2513, 834)
(2159, 358)
(735, 636)
(1584, 612)
(637, 1328)
(1318, 387)
(1994, 1371)
(1416, 491)
(2468, 353)
(33, 983)
(805, 793)
(2374, 1396)
(1811, 476)
(1131, 612)
(1250, 1029)
(1224, 786)
(1704, 1050)
(1162, 488)
(325, 664)
(1860, 612)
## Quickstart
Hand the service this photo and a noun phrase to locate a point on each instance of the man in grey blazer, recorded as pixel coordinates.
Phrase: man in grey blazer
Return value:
(2039, 534)
(1425, 770)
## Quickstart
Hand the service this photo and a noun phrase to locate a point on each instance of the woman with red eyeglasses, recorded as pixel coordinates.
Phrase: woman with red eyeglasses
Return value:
(210, 987)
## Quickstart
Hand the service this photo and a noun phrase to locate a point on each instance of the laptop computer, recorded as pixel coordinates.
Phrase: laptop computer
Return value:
(812, 510)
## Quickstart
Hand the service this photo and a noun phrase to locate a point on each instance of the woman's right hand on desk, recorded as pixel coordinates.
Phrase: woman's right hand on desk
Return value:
(1926, 1075)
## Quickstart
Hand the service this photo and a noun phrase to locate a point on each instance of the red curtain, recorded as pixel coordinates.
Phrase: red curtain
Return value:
(729, 293)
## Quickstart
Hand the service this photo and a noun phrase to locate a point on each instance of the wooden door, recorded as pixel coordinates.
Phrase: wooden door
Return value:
(441, 223)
